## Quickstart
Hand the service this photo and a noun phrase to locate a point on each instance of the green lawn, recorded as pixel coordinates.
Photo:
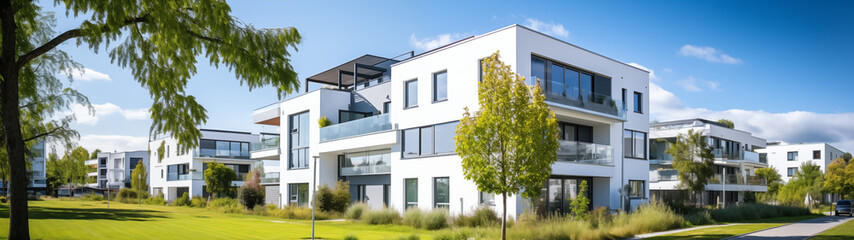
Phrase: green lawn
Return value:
(55, 219)
(733, 230)
(844, 231)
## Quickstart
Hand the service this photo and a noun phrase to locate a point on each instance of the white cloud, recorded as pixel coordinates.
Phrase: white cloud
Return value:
(708, 53)
(109, 143)
(652, 75)
(83, 116)
(793, 127)
(425, 44)
(694, 85)
(88, 75)
(554, 29)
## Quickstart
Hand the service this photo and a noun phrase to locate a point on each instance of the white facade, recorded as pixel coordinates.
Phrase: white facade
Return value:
(113, 170)
(38, 172)
(177, 173)
(735, 159)
(371, 153)
(787, 158)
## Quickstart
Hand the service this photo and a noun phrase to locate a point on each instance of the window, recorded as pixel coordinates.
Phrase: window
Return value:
(386, 107)
(487, 199)
(161, 173)
(346, 116)
(411, 94)
(638, 102)
(538, 70)
(570, 82)
(298, 194)
(429, 140)
(298, 141)
(134, 162)
(441, 192)
(792, 171)
(792, 156)
(440, 86)
(167, 150)
(634, 144)
(816, 154)
(177, 172)
(625, 96)
(220, 148)
(636, 189)
(411, 185)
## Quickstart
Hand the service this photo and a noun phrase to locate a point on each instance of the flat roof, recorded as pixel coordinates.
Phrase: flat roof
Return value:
(331, 76)
(687, 121)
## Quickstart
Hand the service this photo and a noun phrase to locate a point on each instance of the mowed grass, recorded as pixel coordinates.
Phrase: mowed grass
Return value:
(843, 231)
(55, 219)
(733, 230)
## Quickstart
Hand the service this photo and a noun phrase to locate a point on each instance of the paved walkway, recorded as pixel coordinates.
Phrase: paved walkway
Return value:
(798, 230)
(656, 234)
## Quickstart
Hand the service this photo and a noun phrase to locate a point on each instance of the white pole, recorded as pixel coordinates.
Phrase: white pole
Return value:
(313, 195)
(724, 188)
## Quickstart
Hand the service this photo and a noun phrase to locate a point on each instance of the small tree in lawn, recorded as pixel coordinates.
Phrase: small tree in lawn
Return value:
(510, 143)
(251, 193)
(139, 179)
(772, 179)
(694, 160)
(581, 203)
(218, 178)
(836, 178)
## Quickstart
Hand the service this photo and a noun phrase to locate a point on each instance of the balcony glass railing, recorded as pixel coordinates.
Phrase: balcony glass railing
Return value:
(187, 176)
(365, 170)
(751, 156)
(214, 153)
(270, 177)
(720, 153)
(664, 175)
(373, 82)
(362, 126)
(589, 153)
(730, 179)
(267, 143)
(588, 100)
(755, 180)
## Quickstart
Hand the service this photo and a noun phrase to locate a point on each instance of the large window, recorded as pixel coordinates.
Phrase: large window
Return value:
(298, 194)
(177, 172)
(570, 82)
(792, 156)
(638, 102)
(487, 199)
(220, 148)
(298, 141)
(440, 86)
(411, 185)
(634, 144)
(791, 171)
(134, 162)
(816, 154)
(575, 132)
(410, 94)
(441, 192)
(346, 116)
(429, 140)
(636, 189)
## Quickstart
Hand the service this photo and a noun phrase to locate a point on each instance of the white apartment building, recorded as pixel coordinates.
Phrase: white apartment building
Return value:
(37, 183)
(178, 172)
(734, 155)
(113, 169)
(787, 158)
(394, 122)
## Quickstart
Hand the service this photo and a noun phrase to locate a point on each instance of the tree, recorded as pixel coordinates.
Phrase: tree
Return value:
(95, 154)
(808, 179)
(728, 123)
(835, 179)
(74, 167)
(159, 41)
(139, 178)
(772, 178)
(510, 143)
(251, 193)
(694, 161)
(846, 156)
(580, 204)
(218, 178)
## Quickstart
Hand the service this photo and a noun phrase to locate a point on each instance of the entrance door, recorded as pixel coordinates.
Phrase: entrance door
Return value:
(375, 196)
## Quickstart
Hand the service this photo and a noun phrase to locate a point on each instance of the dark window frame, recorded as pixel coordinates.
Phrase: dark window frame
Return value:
(407, 203)
(386, 107)
(790, 173)
(342, 111)
(546, 82)
(436, 203)
(630, 154)
(420, 152)
(638, 102)
(292, 148)
(406, 103)
(642, 195)
(792, 156)
(816, 154)
(435, 84)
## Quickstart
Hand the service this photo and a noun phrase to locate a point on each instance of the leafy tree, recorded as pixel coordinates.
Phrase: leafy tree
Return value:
(333, 200)
(846, 156)
(218, 178)
(74, 167)
(728, 123)
(807, 180)
(510, 143)
(251, 193)
(836, 178)
(159, 41)
(581, 203)
(139, 178)
(694, 161)
(772, 178)
(95, 154)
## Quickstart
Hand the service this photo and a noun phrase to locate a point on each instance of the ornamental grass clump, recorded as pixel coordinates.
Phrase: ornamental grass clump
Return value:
(381, 216)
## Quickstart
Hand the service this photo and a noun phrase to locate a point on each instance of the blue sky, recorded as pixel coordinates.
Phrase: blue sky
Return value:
(778, 69)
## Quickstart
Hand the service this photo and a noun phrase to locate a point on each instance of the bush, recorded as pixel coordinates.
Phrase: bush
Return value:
(156, 200)
(355, 211)
(351, 237)
(333, 200)
(3, 200)
(435, 219)
(184, 200)
(755, 211)
(600, 216)
(293, 212)
(381, 216)
(127, 195)
(198, 202)
(93, 197)
(250, 197)
(413, 217)
(482, 217)
(226, 205)
(699, 218)
(652, 217)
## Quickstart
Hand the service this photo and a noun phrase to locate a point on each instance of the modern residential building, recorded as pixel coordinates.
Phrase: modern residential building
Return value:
(183, 171)
(113, 169)
(393, 123)
(787, 158)
(734, 155)
(37, 183)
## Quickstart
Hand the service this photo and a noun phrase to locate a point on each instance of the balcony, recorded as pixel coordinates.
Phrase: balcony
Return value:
(267, 115)
(187, 176)
(366, 170)
(585, 99)
(587, 153)
(664, 175)
(357, 127)
(217, 153)
(751, 156)
(270, 178)
(267, 148)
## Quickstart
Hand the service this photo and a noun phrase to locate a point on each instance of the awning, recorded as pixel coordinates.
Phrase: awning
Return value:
(366, 70)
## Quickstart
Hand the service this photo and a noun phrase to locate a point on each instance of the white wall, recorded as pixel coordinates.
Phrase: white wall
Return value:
(777, 156)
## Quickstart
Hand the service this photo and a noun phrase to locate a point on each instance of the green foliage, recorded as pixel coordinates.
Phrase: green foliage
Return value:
(226, 205)
(409, 237)
(184, 200)
(324, 121)
(351, 237)
(807, 180)
(334, 200)
(846, 156)
(251, 193)
(127, 195)
(728, 123)
(95, 154)
(838, 178)
(70, 169)
(581, 203)
(156, 200)
(435, 219)
(93, 197)
(381, 216)
(139, 178)
(198, 202)
(413, 217)
(355, 211)
(694, 161)
(482, 217)
(772, 178)
(218, 178)
(755, 211)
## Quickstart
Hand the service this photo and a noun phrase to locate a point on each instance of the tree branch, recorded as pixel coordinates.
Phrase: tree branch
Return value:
(42, 134)
(73, 33)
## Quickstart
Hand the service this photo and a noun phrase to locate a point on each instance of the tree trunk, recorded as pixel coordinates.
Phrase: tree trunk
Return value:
(10, 115)
(504, 216)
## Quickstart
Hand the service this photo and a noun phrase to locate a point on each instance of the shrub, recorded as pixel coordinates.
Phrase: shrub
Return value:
(250, 197)
(355, 211)
(294, 212)
(413, 217)
(93, 197)
(323, 121)
(580, 204)
(482, 217)
(226, 205)
(755, 211)
(3, 200)
(184, 200)
(156, 200)
(127, 195)
(198, 202)
(435, 219)
(600, 216)
(381, 216)
(333, 200)
(351, 237)
(699, 218)
(652, 217)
